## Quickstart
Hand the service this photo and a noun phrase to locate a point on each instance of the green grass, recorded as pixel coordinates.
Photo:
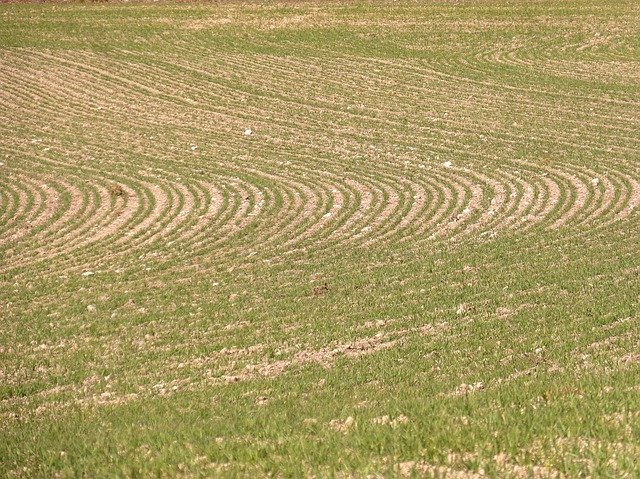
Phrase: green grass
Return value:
(162, 301)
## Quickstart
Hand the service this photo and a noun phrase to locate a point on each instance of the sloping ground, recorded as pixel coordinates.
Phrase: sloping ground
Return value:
(320, 239)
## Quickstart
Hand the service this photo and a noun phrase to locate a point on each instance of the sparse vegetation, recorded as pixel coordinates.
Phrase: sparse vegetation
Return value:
(337, 239)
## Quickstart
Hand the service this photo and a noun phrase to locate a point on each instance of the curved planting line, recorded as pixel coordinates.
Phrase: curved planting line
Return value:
(18, 203)
(41, 203)
(314, 114)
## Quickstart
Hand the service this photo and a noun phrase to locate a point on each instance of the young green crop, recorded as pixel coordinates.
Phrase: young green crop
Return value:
(320, 239)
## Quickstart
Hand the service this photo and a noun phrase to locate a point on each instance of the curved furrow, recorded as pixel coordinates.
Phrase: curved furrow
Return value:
(590, 68)
(393, 203)
(484, 96)
(137, 204)
(114, 212)
(9, 201)
(469, 199)
(154, 212)
(34, 207)
(419, 207)
(103, 208)
(163, 209)
(454, 195)
(583, 197)
(554, 199)
(502, 198)
(211, 205)
(304, 119)
(238, 204)
(57, 91)
(599, 189)
(517, 81)
(92, 230)
(185, 206)
(80, 208)
(143, 81)
(444, 196)
(614, 194)
(632, 203)
(98, 97)
(534, 197)
(297, 207)
(440, 82)
(284, 214)
(146, 225)
(250, 203)
(407, 211)
(372, 195)
(46, 199)
(518, 204)
(325, 212)
(337, 203)
(121, 210)
(20, 203)
(368, 199)
(621, 203)
(578, 191)
(208, 202)
(523, 197)
(378, 116)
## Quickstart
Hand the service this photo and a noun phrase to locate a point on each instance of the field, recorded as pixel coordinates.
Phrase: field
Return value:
(330, 239)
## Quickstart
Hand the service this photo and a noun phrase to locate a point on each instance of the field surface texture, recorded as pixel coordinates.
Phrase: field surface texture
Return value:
(320, 239)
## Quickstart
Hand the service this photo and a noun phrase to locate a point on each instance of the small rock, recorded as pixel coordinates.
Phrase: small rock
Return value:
(382, 420)
(342, 426)
(194, 147)
(88, 273)
(595, 181)
(248, 132)
(320, 290)
(92, 308)
(447, 164)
